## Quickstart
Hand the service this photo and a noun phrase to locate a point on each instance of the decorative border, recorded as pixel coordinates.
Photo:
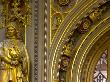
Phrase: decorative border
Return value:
(36, 7)
(36, 13)
(45, 40)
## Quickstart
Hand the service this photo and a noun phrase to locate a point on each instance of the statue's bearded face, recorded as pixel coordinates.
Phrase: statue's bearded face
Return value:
(11, 32)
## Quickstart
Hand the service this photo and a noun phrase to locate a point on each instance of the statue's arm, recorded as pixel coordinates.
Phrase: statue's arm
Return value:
(5, 59)
(8, 60)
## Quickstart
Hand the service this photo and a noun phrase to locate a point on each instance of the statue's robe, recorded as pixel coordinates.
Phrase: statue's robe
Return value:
(13, 50)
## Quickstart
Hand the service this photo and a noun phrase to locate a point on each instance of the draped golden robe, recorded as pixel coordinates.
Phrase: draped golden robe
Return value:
(14, 61)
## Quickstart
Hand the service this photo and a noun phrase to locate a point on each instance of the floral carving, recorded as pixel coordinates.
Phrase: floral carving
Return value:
(84, 25)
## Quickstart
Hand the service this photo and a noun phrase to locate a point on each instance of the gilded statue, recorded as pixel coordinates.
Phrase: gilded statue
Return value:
(14, 59)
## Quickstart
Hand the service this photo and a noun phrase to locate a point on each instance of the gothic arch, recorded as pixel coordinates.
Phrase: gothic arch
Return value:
(93, 56)
(83, 45)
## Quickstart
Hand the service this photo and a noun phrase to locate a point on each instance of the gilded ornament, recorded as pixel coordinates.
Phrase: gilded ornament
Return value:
(16, 10)
(64, 62)
(95, 15)
(63, 6)
(63, 2)
(68, 48)
(84, 25)
(56, 21)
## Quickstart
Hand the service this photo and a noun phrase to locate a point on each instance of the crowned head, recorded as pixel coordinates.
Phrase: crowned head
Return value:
(11, 31)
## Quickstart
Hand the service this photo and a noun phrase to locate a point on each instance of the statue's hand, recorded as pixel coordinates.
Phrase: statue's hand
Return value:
(15, 62)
